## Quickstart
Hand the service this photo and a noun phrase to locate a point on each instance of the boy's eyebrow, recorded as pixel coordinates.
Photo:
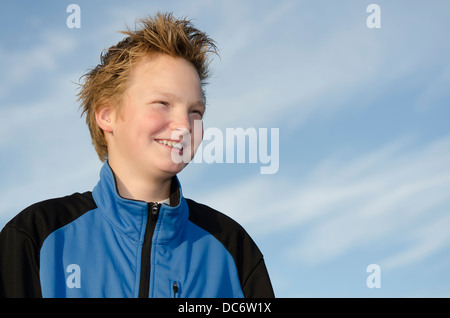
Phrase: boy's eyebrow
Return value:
(199, 102)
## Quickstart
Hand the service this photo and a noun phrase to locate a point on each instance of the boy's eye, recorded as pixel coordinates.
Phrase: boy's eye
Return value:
(198, 113)
(162, 105)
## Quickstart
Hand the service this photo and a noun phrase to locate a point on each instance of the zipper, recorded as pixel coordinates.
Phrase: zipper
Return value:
(175, 290)
(152, 218)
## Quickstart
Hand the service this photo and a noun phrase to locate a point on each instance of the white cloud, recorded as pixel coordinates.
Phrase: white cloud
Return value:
(318, 63)
(299, 76)
(45, 150)
(19, 66)
(431, 237)
(346, 204)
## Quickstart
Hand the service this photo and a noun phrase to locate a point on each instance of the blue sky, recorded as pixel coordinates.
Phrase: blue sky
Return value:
(363, 117)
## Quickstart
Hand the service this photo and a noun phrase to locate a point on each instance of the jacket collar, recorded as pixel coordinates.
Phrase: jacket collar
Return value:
(130, 216)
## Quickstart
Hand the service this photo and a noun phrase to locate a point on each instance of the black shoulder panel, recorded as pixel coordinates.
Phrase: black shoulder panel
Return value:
(41, 219)
(22, 238)
(248, 258)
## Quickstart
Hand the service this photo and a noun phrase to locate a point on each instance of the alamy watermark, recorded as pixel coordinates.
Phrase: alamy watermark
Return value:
(74, 18)
(373, 21)
(236, 145)
(374, 279)
(74, 278)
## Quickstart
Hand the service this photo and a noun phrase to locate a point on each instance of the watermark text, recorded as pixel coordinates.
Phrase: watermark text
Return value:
(235, 145)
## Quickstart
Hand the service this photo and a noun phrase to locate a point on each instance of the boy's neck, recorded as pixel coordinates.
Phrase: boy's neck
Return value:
(138, 188)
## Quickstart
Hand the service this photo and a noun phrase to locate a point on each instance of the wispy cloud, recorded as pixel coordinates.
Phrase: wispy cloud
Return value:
(348, 203)
(431, 237)
(45, 150)
(282, 69)
(19, 66)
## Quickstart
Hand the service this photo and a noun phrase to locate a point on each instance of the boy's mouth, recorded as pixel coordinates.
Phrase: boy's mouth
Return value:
(170, 143)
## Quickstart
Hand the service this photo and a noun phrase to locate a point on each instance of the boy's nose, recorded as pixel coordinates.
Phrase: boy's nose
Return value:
(181, 122)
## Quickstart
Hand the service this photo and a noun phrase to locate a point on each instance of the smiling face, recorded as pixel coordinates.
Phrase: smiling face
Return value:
(162, 101)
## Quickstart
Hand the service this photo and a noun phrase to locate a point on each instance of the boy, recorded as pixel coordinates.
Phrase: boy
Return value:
(135, 235)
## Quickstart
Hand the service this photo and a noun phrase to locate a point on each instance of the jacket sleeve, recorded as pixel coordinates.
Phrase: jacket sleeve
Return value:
(258, 283)
(19, 264)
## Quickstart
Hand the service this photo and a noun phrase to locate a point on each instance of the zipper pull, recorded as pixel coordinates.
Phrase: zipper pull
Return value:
(175, 289)
(154, 209)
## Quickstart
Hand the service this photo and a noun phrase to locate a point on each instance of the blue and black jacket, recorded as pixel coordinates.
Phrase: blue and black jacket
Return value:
(98, 244)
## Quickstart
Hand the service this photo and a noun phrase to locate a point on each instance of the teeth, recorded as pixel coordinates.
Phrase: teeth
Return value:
(176, 145)
(172, 144)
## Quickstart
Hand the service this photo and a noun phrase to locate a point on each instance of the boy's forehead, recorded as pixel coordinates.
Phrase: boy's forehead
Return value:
(161, 63)
(165, 76)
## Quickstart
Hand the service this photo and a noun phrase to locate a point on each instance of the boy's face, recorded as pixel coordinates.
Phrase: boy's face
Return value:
(163, 99)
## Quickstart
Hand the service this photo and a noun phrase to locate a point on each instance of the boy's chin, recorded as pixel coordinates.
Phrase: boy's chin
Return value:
(174, 169)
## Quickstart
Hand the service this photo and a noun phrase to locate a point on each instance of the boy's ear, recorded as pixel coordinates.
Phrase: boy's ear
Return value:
(104, 117)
